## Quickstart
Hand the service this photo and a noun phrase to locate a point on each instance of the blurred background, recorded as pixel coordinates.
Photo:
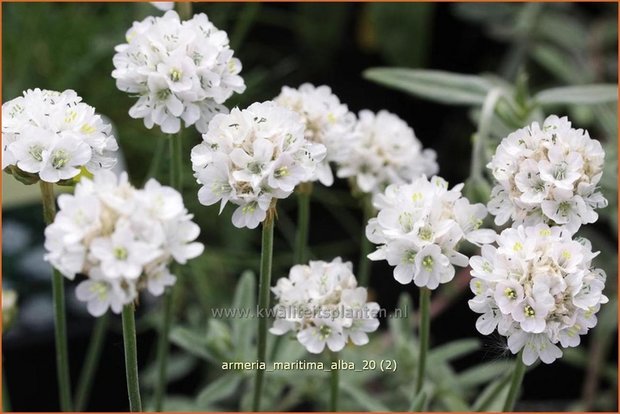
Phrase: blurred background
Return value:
(70, 46)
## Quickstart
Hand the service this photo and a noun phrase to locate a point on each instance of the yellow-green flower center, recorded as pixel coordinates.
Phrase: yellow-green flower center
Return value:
(427, 263)
(510, 293)
(36, 152)
(60, 158)
(120, 253)
(175, 75)
(529, 311)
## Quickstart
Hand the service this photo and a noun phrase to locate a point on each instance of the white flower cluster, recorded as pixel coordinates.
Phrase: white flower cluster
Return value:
(251, 157)
(323, 305)
(179, 71)
(385, 151)
(327, 122)
(121, 238)
(419, 228)
(53, 135)
(538, 288)
(547, 174)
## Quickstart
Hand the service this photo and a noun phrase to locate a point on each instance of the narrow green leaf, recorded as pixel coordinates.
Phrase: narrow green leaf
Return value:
(452, 401)
(453, 350)
(223, 387)
(243, 331)
(191, 341)
(439, 86)
(418, 402)
(363, 398)
(179, 366)
(482, 373)
(582, 94)
(492, 393)
(178, 403)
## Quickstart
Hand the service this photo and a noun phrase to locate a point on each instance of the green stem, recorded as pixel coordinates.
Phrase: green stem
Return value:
(184, 9)
(176, 161)
(176, 181)
(333, 402)
(60, 320)
(162, 352)
(131, 358)
(515, 384)
(424, 327)
(91, 362)
(363, 273)
(304, 193)
(158, 155)
(6, 404)
(263, 302)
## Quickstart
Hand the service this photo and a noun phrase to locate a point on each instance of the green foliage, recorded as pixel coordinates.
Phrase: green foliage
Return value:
(439, 86)
(400, 32)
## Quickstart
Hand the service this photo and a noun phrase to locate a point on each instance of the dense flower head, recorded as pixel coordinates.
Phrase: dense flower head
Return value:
(53, 135)
(385, 151)
(538, 288)
(251, 157)
(419, 227)
(122, 239)
(327, 122)
(547, 174)
(178, 70)
(322, 304)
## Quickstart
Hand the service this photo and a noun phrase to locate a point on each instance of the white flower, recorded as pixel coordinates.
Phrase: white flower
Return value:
(120, 238)
(180, 71)
(251, 157)
(101, 293)
(158, 279)
(384, 151)
(122, 254)
(322, 304)
(419, 227)
(53, 135)
(538, 288)
(322, 332)
(547, 174)
(327, 122)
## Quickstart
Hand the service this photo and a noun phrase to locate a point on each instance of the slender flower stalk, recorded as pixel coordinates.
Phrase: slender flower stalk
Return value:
(6, 404)
(424, 328)
(131, 358)
(304, 194)
(263, 300)
(60, 321)
(91, 362)
(366, 245)
(333, 402)
(176, 179)
(515, 384)
(184, 8)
